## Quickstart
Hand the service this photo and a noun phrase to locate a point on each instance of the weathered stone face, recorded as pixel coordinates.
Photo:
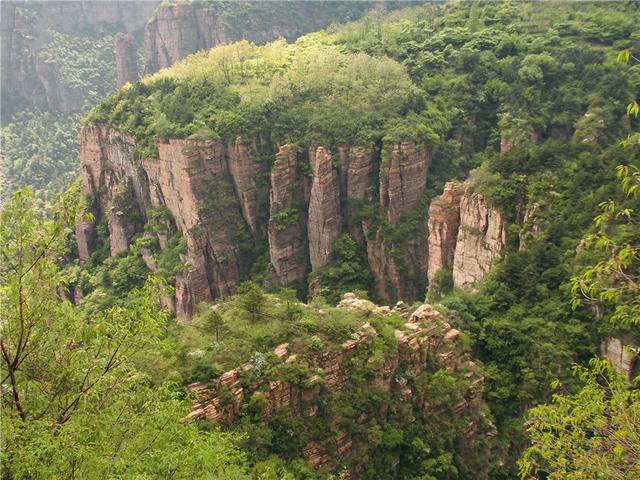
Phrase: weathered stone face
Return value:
(615, 349)
(426, 341)
(403, 179)
(324, 222)
(126, 59)
(482, 237)
(465, 234)
(443, 225)
(247, 171)
(288, 249)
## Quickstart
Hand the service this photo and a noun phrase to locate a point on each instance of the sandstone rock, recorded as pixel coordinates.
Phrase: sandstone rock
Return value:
(29, 80)
(324, 223)
(126, 59)
(288, 250)
(191, 178)
(117, 183)
(403, 178)
(426, 339)
(246, 172)
(176, 31)
(482, 237)
(615, 349)
(444, 221)
(359, 163)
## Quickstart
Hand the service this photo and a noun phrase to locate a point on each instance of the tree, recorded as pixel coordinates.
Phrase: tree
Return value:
(595, 433)
(73, 405)
(252, 299)
(212, 319)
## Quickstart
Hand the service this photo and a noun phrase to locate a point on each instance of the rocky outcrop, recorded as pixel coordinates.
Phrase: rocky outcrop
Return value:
(116, 184)
(530, 225)
(481, 239)
(399, 264)
(618, 352)
(443, 225)
(465, 234)
(288, 249)
(247, 173)
(29, 80)
(359, 165)
(403, 179)
(176, 31)
(126, 59)
(191, 179)
(324, 222)
(425, 343)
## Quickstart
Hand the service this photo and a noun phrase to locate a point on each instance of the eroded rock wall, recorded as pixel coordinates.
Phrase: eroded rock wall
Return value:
(324, 222)
(399, 263)
(466, 234)
(443, 225)
(482, 236)
(425, 343)
(288, 248)
(126, 59)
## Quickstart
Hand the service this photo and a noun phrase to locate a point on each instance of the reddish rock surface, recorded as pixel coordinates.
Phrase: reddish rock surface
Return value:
(403, 178)
(482, 237)
(324, 223)
(399, 266)
(288, 249)
(247, 172)
(444, 221)
(126, 59)
(426, 341)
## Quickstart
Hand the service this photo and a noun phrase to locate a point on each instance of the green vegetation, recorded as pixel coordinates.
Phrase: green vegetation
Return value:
(75, 406)
(41, 150)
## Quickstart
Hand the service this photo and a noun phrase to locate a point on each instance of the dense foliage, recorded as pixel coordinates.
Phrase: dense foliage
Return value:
(41, 150)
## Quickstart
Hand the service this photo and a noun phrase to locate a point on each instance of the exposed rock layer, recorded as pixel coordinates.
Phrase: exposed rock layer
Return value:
(481, 238)
(126, 59)
(426, 342)
(324, 222)
(444, 222)
(465, 234)
(176, 31)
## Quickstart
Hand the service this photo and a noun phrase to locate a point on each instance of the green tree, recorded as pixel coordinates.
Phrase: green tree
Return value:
(73, 405)
(252, 299)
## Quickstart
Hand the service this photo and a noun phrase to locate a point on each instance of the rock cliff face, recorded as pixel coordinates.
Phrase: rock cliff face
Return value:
(615, 349)
(444, 223)
(126, 59)
(465, 234)
(324, 223)
(287, 221)
(481, 238)
(176, 31)
(191, 179)
(399, 265)
(426, 343)
(28, 80)
(216, 195)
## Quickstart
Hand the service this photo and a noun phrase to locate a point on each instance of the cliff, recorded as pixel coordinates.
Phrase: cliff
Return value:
(30, 77)
(126, 59)
(176, 31)
(399, 260)
(420, 346)
(215, 194)
(465, 234)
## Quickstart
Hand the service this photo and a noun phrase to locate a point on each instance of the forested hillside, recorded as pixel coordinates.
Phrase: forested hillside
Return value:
(59, 59)
(248, 208)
